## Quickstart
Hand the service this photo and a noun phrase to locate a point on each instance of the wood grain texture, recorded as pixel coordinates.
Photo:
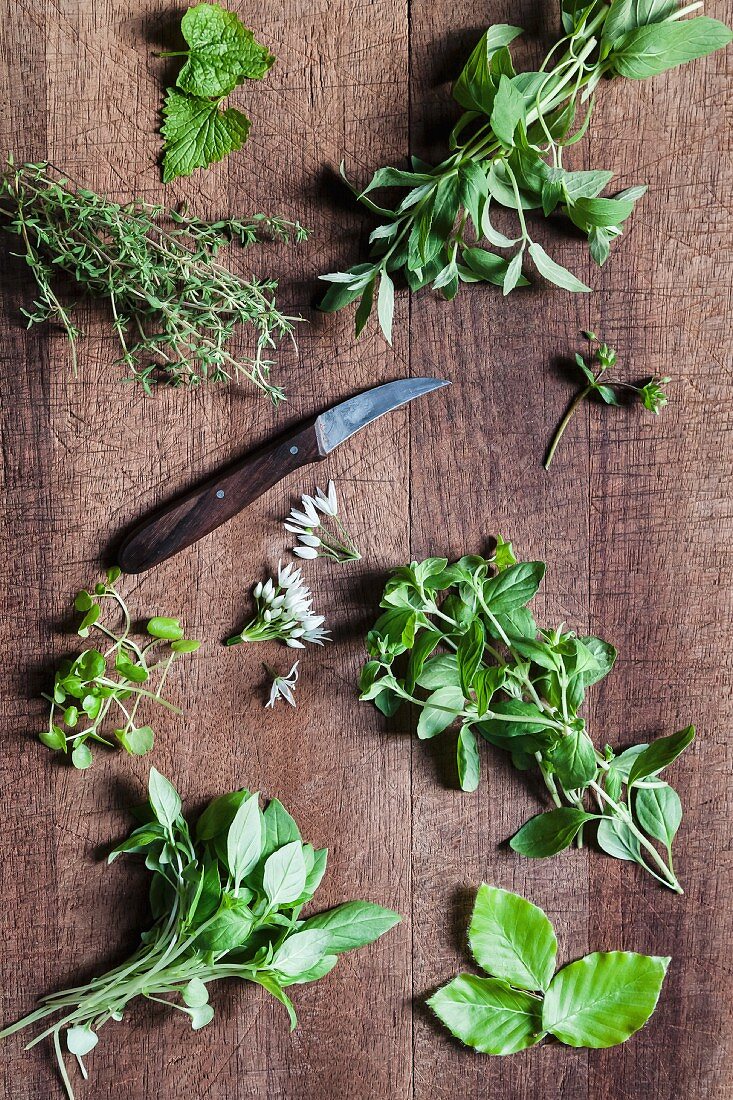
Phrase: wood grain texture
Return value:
(634, 522)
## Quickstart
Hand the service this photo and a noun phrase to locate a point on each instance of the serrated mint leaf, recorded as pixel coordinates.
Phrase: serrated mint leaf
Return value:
(512, 939)
(222, 54)
(486, 1014)
(198, 133)
(603, 999)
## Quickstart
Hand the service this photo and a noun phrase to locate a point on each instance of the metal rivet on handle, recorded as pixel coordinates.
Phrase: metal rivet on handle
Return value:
(293, 450)
(220, 494)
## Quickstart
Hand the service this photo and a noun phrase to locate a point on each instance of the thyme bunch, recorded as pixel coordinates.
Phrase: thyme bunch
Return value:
(174, 307)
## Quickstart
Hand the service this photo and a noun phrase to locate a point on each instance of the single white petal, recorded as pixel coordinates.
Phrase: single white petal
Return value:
(305, 519)
(279, 600)
(305, 552)
(293, 643)
(295, 528)
(287, 693)
(257, 590)
(274, 692)
(296, 633)
(309, 540)
(267, 615)
(268, 590)
(332, 500)
(310, 509)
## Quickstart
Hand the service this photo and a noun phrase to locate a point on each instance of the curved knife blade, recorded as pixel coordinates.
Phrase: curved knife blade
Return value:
(202, 509)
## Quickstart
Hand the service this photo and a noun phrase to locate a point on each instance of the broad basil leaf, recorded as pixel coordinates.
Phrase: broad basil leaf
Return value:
(550, 833)
(440, 710)
(219, 814)
(617, 840)
(244, 839)
(653, 49)
(512, 939)
(285, 874)
(574, 760)
(467, 759)
(659, 812)
(660, 753)
(300, 952)
(486, 1014)
(475, 87)
(280, 828)
(603, 999)
(513, 587)
(352, 925)
(164, 799)
(440, 672)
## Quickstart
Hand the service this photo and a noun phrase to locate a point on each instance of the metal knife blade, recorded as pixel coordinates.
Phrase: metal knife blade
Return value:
(202, 509)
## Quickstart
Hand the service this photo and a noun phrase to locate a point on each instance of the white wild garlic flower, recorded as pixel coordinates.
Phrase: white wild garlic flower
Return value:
(284, 613)
(317, 539)
(283, 687)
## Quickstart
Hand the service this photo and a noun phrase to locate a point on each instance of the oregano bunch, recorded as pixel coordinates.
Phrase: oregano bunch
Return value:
(226, 899)
(96, 694)
(459, 643)
(599, 1001)
(174, 307)
(506, 152)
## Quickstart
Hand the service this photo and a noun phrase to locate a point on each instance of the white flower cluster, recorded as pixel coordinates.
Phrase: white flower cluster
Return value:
(283, 612)
(331, 541)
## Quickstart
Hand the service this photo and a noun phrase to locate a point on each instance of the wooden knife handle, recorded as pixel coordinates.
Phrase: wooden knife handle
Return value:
(203, 509)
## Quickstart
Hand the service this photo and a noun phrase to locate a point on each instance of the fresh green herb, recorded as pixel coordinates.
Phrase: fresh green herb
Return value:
(320, 514)
(102, 684)
(651, 395)
(599, 1001)
(174, 307)
(470, 654)
(222, 54)
(226, 901)
(284, 613)
(507, 150)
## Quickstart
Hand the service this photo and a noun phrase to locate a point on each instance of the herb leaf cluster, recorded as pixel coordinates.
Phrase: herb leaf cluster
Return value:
(597, 382)
(174, 306)
(599, 1001)
(222, 53)
(459, 642)
(101, 686)
(506, 151)
(226, 899)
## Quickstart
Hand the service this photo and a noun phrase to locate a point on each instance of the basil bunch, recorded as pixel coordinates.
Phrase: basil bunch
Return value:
(599, 1001)
(226, 902)
(459, 642)
(507, 152)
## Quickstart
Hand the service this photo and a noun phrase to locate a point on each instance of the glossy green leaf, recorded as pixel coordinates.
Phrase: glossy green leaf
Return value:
(352, 925)
(550, 833)
(300, 952)
(467, 759)
(603, 999)
(512, 939)
(513, 587)
(285, 874)
(245, 839)
(486, 1014)
(660, 753)
(648, 51)
(659, 812)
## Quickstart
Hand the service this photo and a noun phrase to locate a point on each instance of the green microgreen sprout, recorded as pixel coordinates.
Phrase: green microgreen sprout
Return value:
(459, 643)
(111, 682)
(651, 394)
(226, 900)
(174, 306)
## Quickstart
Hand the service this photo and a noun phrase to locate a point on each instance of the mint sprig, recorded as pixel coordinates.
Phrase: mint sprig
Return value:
(459, 643)
(599, 1001)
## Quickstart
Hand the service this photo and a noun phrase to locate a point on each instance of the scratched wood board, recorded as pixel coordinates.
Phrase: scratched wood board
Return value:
(633, 521)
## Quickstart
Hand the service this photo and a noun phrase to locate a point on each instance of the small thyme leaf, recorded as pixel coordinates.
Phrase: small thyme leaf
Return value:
(174, 306)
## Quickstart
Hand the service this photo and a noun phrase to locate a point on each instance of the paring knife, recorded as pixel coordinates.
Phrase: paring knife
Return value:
(203, 509)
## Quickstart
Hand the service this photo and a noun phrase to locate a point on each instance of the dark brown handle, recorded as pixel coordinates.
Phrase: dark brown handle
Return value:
(203, 509)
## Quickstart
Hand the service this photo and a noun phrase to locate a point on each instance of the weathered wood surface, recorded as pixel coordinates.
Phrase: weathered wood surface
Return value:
(634, 522)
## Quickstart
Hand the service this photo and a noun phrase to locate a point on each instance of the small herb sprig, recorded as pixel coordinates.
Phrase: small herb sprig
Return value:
(506, 150)
(599, 1001)
(283, 612)
(651, 394)
(471, 655)
(226, 899)
(222, 53)
(100, 686)
(174, 307)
